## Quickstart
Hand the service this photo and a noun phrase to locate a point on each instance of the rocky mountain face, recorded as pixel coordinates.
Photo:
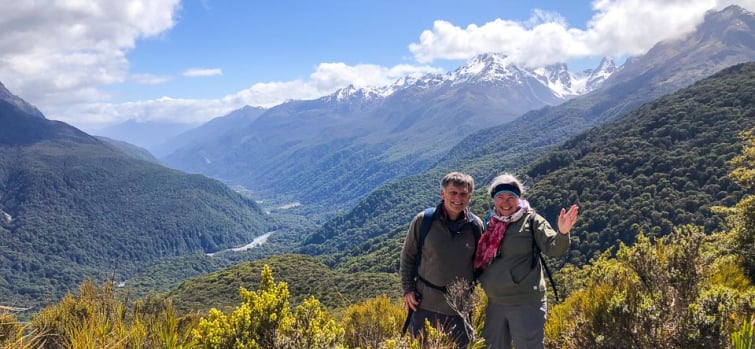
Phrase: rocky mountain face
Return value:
(723, 39)
(593, 79)
(346, 144)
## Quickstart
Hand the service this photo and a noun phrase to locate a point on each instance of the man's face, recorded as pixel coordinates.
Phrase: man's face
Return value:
(455, 199)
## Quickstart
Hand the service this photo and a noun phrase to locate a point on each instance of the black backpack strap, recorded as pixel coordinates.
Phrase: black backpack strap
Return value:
(538, 256)
(442, 289)
(427, 221)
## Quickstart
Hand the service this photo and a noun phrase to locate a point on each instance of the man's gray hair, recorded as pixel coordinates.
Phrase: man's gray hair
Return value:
(459, 179)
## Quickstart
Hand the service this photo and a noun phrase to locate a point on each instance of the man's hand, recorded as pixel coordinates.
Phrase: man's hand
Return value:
(410, 302)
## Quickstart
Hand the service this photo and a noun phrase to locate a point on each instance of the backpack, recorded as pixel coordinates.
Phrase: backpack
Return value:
(427, 221)
(536, 253)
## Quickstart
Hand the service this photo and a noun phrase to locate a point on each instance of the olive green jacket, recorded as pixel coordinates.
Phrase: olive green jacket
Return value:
(511, 278)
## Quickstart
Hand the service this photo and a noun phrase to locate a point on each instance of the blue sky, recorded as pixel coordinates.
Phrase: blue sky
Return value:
(96, 63)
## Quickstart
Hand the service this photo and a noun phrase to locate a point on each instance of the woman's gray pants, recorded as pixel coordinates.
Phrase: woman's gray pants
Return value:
(522, 325)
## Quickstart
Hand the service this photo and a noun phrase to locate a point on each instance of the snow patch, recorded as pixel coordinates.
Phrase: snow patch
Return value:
(6, 217)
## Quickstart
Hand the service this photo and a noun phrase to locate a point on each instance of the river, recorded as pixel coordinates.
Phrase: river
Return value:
(256, 242)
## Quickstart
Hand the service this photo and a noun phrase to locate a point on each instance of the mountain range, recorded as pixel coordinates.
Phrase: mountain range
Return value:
(358, 138)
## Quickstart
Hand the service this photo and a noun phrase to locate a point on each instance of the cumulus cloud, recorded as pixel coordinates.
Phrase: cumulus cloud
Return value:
(332, 76)
(617, 28)
(199, 72)
(61, 46)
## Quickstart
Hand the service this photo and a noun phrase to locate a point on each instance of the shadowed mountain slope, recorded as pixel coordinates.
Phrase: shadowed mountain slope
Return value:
(73, 207)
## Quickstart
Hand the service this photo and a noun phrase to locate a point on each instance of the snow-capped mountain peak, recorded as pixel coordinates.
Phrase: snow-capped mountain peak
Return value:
(351, 92)
(605, 69)
(484, 67)
(494, 68)
(557, 78)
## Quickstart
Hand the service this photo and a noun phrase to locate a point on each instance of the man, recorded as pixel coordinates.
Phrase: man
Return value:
(445, 255)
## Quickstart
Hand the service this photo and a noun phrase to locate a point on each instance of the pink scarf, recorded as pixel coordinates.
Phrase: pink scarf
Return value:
(491, 239)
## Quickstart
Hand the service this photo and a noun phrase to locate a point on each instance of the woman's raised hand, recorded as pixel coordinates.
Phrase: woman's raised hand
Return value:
(566, 219)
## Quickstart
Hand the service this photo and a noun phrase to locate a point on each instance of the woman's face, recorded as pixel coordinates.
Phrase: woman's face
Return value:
(506, 204)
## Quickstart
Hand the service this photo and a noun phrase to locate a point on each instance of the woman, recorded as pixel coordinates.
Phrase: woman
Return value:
(512, 276)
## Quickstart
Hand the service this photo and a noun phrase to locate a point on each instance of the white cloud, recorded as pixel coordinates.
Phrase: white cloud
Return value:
(200, 72)
(91, 116)
(50, 46)
(332, 76)
(618, 28)
(150, 79)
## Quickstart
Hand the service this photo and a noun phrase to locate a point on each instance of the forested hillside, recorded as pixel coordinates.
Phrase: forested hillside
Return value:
(305, 275)
(73, 207)
(663, 165)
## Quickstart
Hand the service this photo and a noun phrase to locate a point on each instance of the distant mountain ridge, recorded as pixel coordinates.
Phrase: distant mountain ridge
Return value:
(212, 129)
(358, 138)
(130, 149)
(144, 134)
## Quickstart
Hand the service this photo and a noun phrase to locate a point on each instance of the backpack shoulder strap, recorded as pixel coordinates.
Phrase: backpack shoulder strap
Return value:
(478, 229)
(427, 221)
(486, 219)
(536, 251)
(424, 228)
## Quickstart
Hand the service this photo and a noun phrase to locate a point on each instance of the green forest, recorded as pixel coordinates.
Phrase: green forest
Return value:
(73, 209)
